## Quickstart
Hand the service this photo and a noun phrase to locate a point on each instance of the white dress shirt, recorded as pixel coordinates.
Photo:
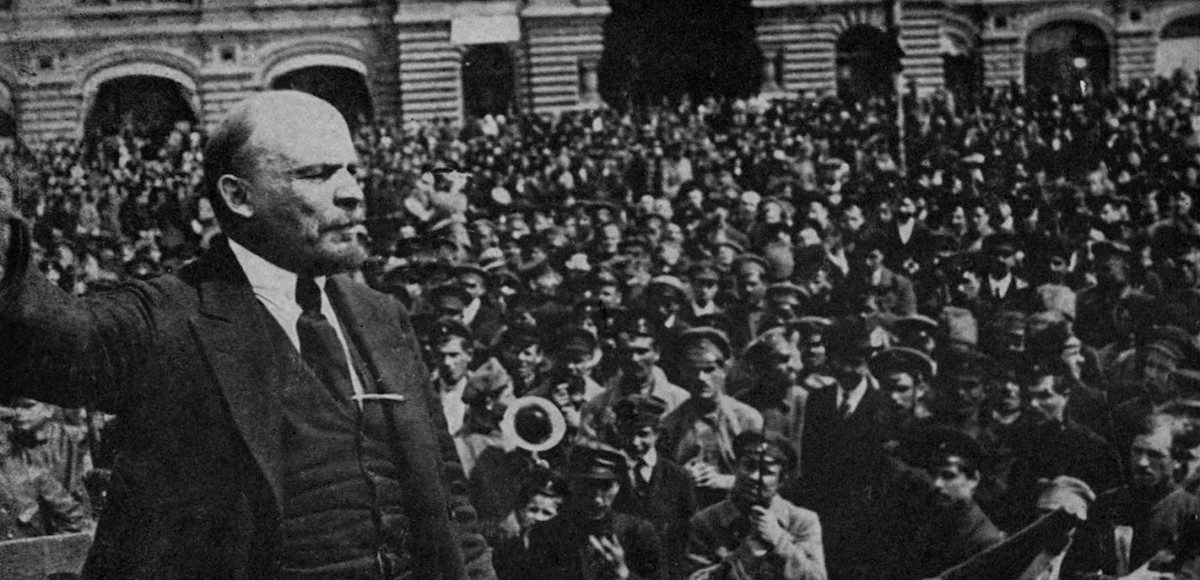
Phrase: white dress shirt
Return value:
(275, 288)
(645, 465)
(453, 406)
(905, 230)
(471, 311)
(851, 399)
(1000, 287)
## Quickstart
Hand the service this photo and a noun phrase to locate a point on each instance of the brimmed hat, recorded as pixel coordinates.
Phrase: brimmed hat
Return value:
(446, 327)
(448, 293)
(936, 446)
(916, 325)
(639, 410)
(598, 462)
(678, 288)
(767, 447)
(576, 341)
(706, 335)
(902, 359)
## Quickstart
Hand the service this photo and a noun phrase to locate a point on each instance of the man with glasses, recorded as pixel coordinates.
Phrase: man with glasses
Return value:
(286, 422)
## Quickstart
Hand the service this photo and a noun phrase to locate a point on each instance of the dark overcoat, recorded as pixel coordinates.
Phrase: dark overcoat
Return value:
(186, 362)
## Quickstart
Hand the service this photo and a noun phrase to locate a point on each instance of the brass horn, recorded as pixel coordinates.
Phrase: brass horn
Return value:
(533, 424)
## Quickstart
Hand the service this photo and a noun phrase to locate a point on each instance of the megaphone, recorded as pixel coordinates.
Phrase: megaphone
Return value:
(533, 424)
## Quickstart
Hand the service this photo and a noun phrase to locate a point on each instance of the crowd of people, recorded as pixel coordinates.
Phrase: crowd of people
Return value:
(777, 348)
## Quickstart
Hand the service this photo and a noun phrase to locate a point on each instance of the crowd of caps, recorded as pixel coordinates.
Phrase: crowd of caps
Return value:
(772, 353)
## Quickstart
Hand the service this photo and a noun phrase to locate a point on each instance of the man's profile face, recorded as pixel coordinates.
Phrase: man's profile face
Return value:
(538, 509)
(1157, 370)
(852, 218)
(704, 288)
(1046, 403)
(1150, 459)
(704, 369)
(750, 282)
(307, 204)
(755, 479)
(452, 360)
(901, 388)
(637, 440)
(593, 497)
(528, 359)
(953, 486)
(812, 351)
(638, 354)
(781, 364)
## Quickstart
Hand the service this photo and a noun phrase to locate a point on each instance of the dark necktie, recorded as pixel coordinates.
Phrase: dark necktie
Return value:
(319, 344)
(641, 481)
(844, 409)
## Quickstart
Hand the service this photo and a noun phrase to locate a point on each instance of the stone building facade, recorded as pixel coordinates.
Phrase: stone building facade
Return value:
(420, 59)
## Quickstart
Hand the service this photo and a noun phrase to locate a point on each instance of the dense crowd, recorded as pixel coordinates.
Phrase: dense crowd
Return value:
(777, 348)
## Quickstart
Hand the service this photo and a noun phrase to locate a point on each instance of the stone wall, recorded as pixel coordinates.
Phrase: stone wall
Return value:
(54, 54)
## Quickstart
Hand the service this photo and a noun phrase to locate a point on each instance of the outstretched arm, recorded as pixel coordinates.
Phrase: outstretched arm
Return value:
(61, 349)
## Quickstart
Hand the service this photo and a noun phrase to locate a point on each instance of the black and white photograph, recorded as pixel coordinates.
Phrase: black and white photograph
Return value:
(600, 289)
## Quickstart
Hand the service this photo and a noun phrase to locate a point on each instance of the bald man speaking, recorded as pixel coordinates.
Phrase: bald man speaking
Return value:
(275, 418)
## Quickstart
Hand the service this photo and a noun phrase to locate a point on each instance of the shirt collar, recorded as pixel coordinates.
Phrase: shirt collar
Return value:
(268, 280)
(471, 311)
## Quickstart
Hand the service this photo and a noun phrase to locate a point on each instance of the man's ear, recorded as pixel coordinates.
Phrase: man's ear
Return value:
(236, 195)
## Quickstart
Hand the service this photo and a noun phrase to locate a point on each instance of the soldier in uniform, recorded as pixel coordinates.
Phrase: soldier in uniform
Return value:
(755, 533)
(588, 539)
(953, 528)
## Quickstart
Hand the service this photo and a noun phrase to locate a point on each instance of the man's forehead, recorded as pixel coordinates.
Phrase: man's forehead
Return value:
(1159, 440)
(703, 352)
(300, 127)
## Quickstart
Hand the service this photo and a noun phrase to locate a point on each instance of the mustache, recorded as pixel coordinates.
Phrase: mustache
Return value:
(358, 228)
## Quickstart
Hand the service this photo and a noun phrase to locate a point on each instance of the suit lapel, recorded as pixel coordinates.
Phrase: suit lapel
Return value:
(364, 321)
(246, 363)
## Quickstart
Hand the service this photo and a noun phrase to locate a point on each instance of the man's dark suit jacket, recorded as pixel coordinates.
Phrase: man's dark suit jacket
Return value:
(918, 248)
(842, 459)
(185, 360)
(668, 502)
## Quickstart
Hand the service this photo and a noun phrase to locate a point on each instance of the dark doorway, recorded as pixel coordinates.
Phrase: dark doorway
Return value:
(345, 89)
(141, 105)
(964, 76)
(487, 80)
(866, 61)
(1069, 58)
